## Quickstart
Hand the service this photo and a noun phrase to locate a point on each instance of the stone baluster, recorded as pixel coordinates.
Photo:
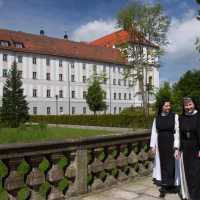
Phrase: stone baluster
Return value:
(14, 182)
(70, 173)
(35, 178)
(54, 175)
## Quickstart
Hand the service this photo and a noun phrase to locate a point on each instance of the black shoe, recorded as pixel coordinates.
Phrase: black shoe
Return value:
(162, 193)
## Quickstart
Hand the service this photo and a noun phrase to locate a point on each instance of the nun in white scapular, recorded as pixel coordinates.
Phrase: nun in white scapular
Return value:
(164, 144)
(189, 123)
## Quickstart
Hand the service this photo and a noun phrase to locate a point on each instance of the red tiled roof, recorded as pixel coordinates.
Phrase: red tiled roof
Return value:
(41, 44)
(119, 38)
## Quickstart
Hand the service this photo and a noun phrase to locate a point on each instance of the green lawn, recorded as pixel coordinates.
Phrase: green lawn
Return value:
(38, 133)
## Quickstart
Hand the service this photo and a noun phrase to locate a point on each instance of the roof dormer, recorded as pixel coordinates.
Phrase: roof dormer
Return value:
(4, 43)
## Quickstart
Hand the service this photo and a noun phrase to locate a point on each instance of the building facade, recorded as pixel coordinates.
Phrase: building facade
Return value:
(55, 73)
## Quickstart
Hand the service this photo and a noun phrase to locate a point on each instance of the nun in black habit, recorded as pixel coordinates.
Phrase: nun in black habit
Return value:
(189, 123)
(164, 142)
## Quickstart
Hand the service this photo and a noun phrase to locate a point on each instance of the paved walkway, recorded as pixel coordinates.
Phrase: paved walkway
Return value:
(140, 189)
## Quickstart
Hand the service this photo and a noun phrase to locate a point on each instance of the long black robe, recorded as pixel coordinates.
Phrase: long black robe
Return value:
(165, 126)
(190, 146)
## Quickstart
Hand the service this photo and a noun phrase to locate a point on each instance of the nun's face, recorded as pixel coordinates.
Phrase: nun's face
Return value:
(166, 107)
(189, 106)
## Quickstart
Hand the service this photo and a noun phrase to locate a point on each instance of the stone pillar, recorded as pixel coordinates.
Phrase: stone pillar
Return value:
(82, 171)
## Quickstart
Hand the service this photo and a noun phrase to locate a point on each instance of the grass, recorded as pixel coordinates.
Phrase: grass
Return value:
(34, 133)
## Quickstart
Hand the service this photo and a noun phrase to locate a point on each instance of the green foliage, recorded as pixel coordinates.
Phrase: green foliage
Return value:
(63, 184)
(23, 193)
(134, 120)
(63, 162)
(95, 97)
(44, 165)
(23, 168)
(44, 189)
(188, 85)
(14, 105)
(164, 93)
(4, 195)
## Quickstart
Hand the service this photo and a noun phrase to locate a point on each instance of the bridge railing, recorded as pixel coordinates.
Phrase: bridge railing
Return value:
(59, 169)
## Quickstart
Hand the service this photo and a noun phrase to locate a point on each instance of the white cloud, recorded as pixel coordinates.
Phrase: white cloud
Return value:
(182, 36)
(93, 30)
(181, 54)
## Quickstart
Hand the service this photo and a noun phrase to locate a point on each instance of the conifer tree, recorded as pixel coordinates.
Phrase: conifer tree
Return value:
(14, 105)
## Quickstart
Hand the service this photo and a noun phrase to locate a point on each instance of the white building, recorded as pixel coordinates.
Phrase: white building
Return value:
(55, 73)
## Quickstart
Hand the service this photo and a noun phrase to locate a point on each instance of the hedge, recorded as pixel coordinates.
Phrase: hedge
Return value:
(134, 121)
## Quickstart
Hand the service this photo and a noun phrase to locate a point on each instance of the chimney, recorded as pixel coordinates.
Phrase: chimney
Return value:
(65, 36)
(41, 30)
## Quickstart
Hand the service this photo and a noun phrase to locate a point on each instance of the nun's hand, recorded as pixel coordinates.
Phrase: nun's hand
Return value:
(177, 154)
(199, 154)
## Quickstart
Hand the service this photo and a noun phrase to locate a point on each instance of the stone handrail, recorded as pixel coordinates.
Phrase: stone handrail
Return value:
(55, 170)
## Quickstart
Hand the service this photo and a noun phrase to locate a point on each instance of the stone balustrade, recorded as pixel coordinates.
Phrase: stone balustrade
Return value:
(59, 169)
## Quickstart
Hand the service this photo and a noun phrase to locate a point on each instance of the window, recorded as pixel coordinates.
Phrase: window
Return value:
(129, 96)
(60, 63)
(4, 91)
(34, 60)
(114, 81)
(84, 110)
(73, 94)
(119, 96)
(61, 110)
(119, 69)
(18, 45)
(94, 69)
(150, 80)
(35, 110)
(124, 96)
(47, 61)
(115, 110)
(5, 73)
(34, 93)
(34, 75)
(4, 43)
(72, 78)
(5, 57)
(60, 77)
(20, 73)
(119, 82)
(19, 58)
(72, 65)
(84, 79)
(60, 93)
(48, 110)
(120, 109)
(48, 93)
(115, 96)
(84, 94)
(84, 66)
(48, 76)
(114, 69)
(73, 110)
(104, 81)
(130, 83)
(124, 82)
(104, 68)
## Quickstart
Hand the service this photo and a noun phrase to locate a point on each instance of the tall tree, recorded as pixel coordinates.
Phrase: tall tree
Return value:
(95, 96)
(146, 25)
(14, 105)
(188, 85)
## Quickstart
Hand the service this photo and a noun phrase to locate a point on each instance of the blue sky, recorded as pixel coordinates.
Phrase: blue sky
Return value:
(85, 20)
